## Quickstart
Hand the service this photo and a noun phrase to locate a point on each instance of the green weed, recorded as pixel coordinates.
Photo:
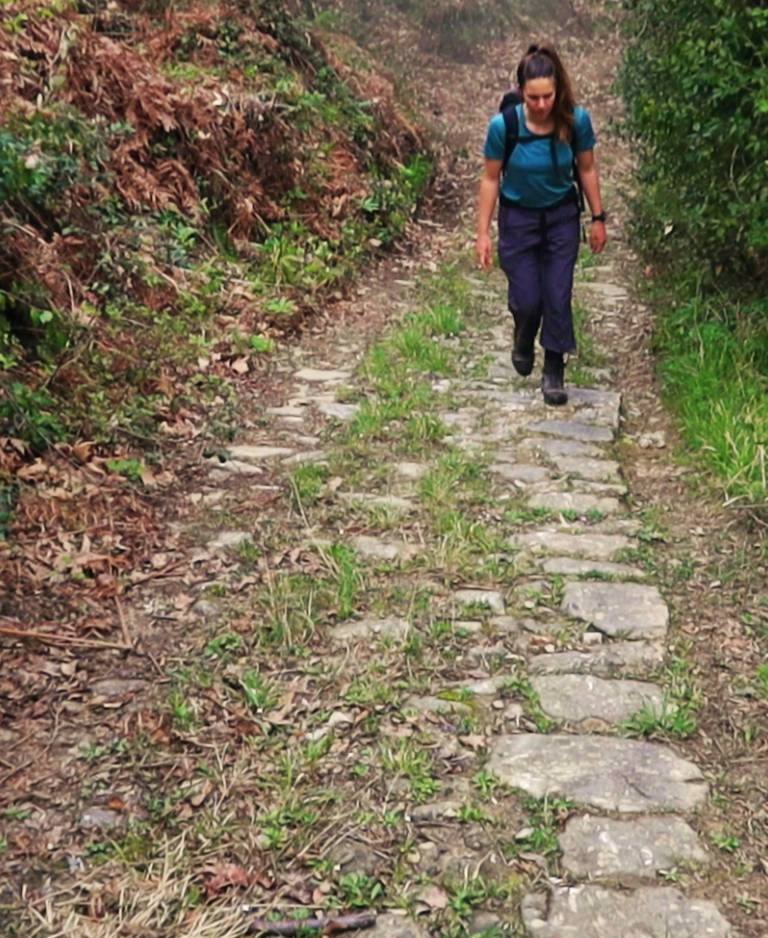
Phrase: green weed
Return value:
(486, 783)
(182, 712)
(676, 721)
(359, 891)
(761, 680)
(348, 575)
(260, 694)
(545, 817)
(725, 841)
(406, 758)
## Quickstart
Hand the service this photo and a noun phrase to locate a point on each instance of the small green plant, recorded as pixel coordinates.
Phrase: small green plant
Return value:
(315, 749)
(468, 895)
(359, 891)
(725, 841)
(545, 817)
(182, 713)
(521, 687)
(281, 306)
(671, 720)
(308, 482)
(262, 344)
(366, 690)
(761, 680)
(16, 814)
(223, 646)
(247, 552)
(348, 575)
(472, 813)
(31, 415)
(407, 759)
(486, 783)
(131, 469)
(260, 693)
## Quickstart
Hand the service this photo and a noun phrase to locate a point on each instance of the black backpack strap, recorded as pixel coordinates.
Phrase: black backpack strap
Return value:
(511, 134)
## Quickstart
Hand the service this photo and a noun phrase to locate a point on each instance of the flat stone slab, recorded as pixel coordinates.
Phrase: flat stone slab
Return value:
(317, 374)
(229, 466)
(509, 400)
(490, 598)
(229, 540)
(288, 410)
(575, 501)
(599, 488)
(393, 628)
(597, 847)
(633, 610)
(435, 705)
(558, 447)
(520, 472)
(381, 550)
(595, 397)
(394, 502)
(318, 456)
(486, 687)
(411, 470)
(599, 470)
(624, 775)
(596, 912)
(246, 453)
(101, 818)
(575, 566)
(577, 697)
(611, 290)
(609, 660)
(395, 926)
(583, 432)
(118, 687)
(338, 411)
(598, 546)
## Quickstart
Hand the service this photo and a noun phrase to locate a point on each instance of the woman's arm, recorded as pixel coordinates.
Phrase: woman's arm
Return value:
(590, 183)
(486, 202)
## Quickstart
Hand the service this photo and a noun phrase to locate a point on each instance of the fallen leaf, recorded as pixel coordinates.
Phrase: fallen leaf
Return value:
(221, 876)
(201, 794)
(434, 896)
(82, 451)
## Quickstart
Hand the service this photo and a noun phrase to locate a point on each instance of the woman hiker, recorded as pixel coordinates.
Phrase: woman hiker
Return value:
(539, 211)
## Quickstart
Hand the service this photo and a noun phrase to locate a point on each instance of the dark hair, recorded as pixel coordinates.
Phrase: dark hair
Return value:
(541, 61)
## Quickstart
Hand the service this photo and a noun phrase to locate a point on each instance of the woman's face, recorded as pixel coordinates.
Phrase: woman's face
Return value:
(539, 97)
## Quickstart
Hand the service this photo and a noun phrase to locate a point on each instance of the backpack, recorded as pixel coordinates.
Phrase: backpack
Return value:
(508, 108)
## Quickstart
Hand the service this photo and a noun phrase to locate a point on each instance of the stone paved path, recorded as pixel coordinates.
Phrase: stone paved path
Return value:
(635, 799)
(635, 802)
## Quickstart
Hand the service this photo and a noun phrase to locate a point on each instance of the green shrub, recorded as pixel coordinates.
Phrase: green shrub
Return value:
(695, 79)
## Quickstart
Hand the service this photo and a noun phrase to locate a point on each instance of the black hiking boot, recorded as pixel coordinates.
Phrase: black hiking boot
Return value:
(552, 383)
(522, 353)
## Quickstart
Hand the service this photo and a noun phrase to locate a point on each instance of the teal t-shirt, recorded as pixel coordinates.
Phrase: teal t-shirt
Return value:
(531, 179)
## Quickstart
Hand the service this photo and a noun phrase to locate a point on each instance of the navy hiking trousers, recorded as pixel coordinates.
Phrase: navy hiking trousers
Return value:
(537, 252)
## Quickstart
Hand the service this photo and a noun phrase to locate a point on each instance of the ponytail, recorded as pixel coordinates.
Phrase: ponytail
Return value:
(541, 61)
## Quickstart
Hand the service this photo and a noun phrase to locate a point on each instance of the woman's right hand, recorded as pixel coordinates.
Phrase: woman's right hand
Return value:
(484, 251)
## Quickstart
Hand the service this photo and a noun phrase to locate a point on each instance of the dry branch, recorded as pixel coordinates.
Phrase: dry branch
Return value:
(56, 638)
(326, 926)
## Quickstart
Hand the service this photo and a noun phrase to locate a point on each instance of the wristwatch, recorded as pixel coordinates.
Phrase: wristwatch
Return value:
(600, 217)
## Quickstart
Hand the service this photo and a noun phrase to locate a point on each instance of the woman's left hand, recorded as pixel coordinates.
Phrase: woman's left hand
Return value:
(597, 236)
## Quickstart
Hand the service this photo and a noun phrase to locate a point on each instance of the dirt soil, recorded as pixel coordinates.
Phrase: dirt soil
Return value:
(121, 726)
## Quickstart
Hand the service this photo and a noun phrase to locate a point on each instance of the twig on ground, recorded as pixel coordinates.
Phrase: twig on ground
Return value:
(55, 638)
(326, 926)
